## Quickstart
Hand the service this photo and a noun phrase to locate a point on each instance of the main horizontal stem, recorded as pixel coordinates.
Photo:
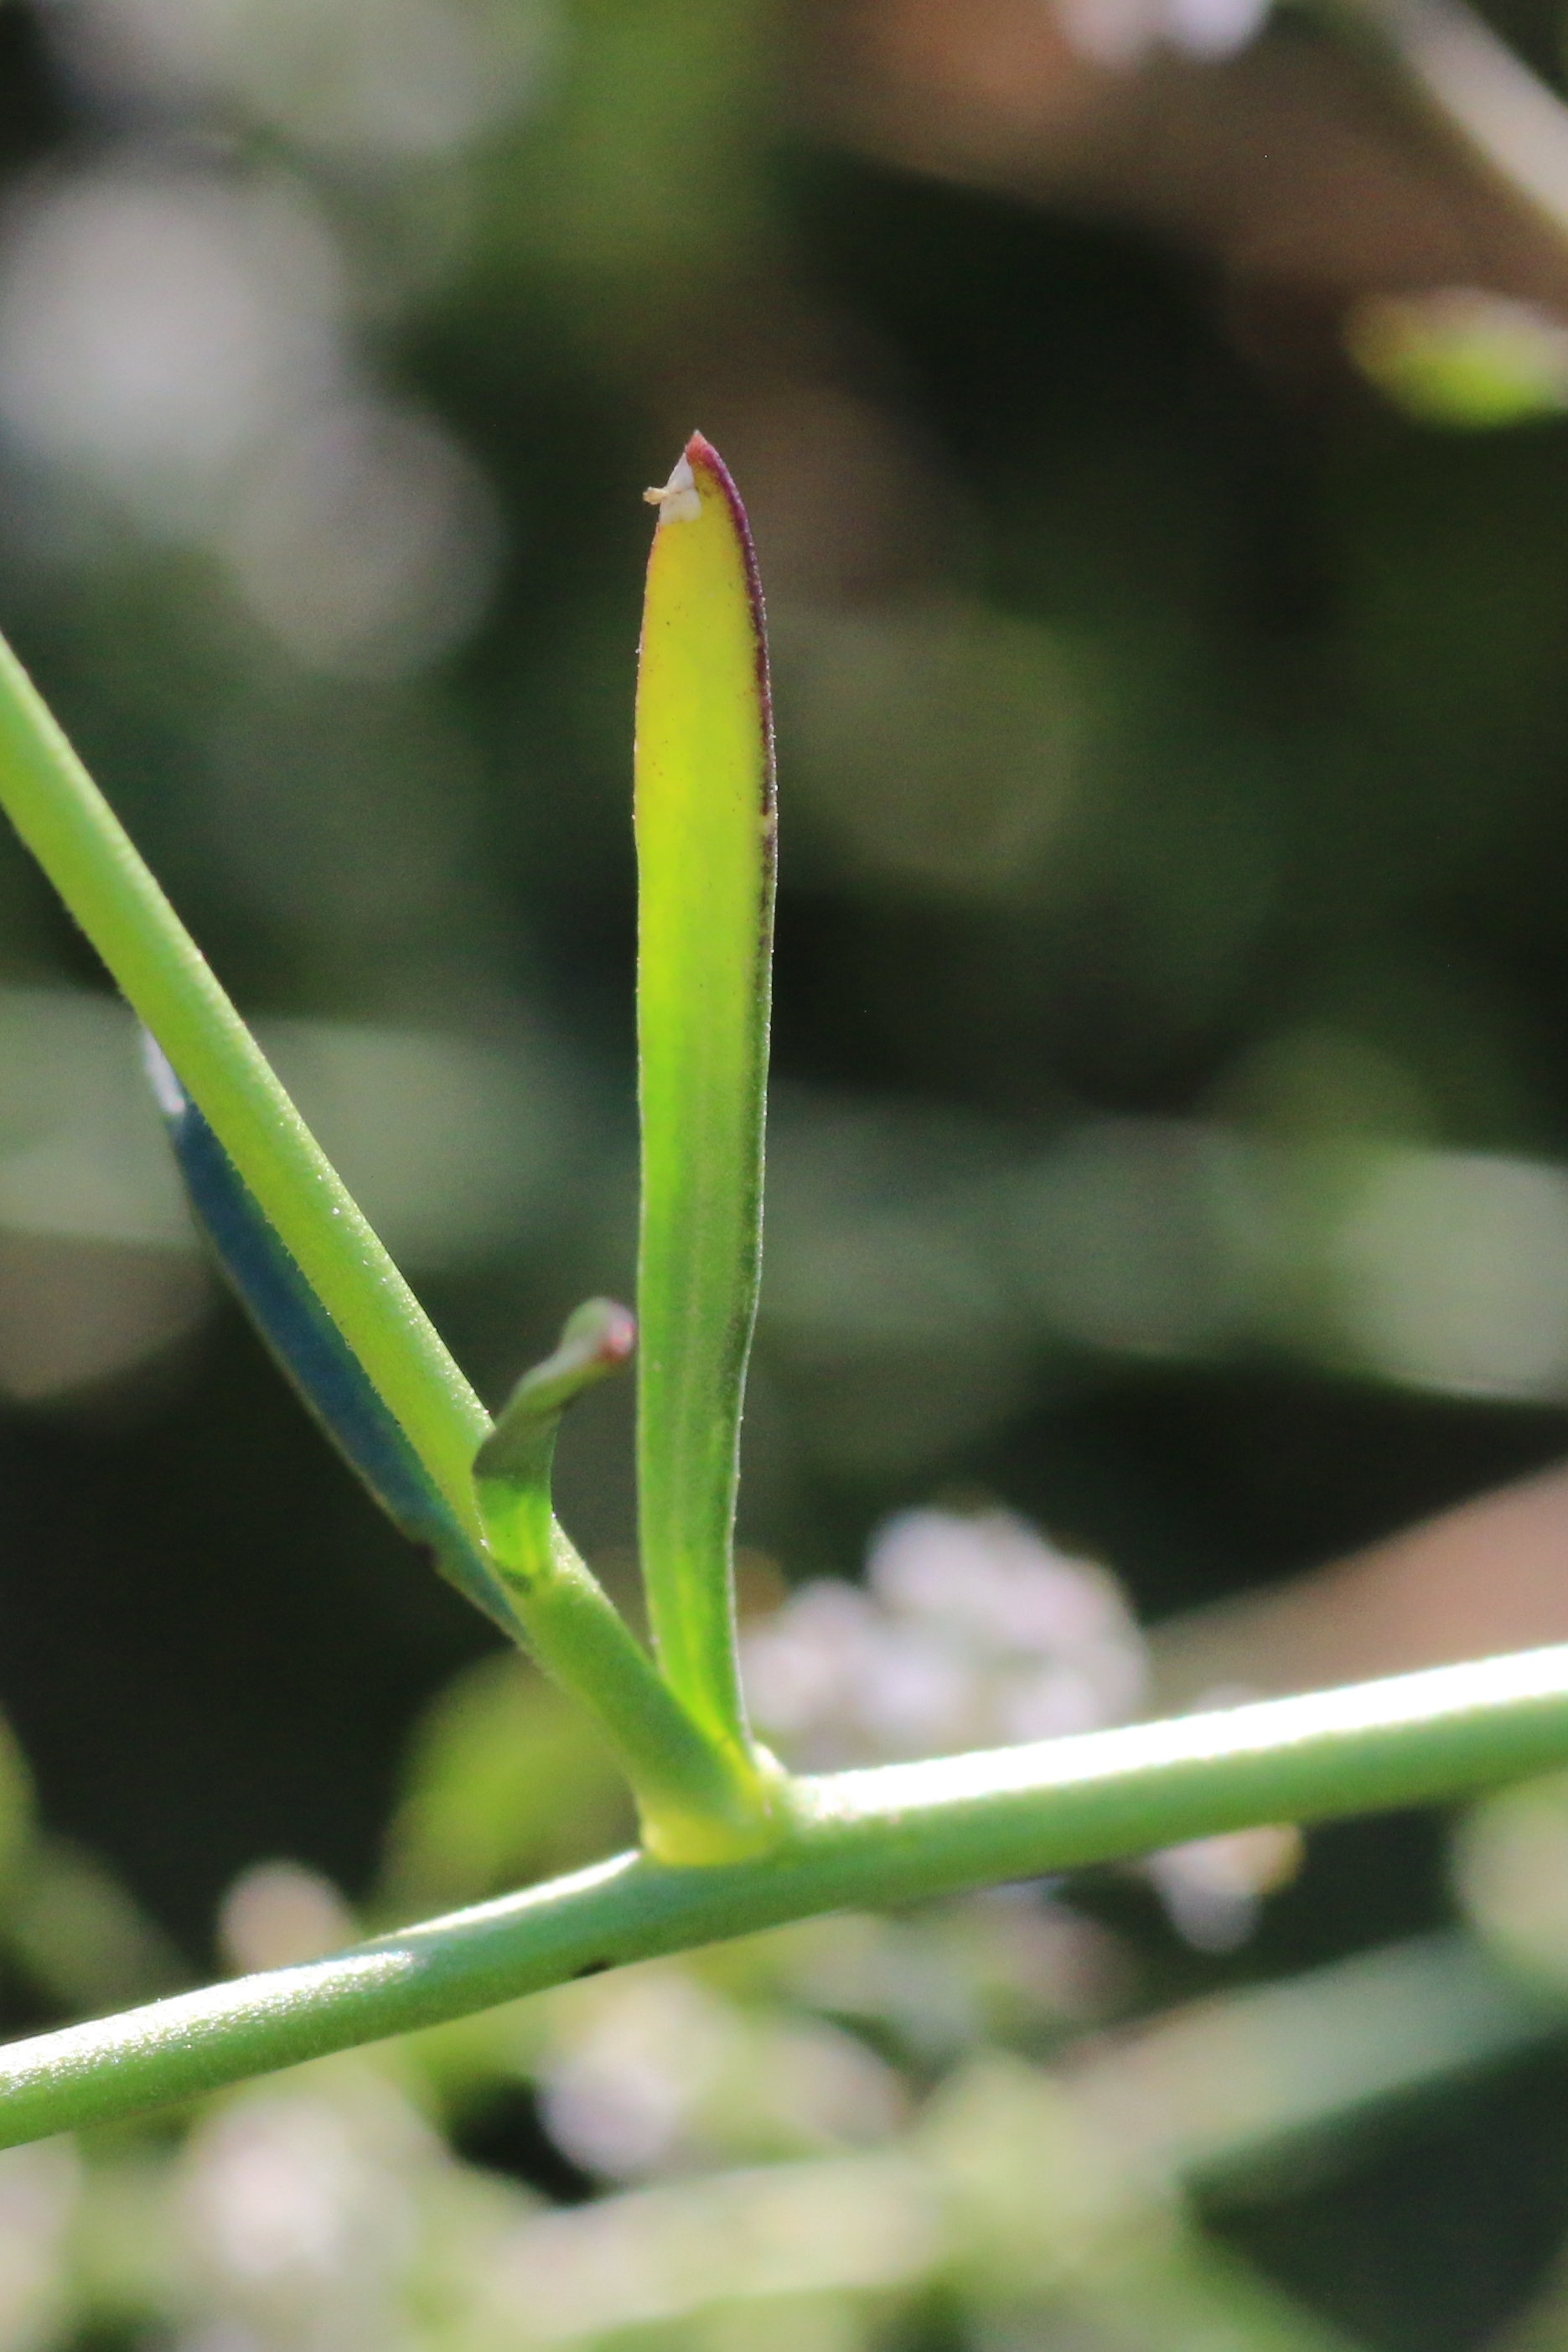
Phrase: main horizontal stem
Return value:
(862, 1840)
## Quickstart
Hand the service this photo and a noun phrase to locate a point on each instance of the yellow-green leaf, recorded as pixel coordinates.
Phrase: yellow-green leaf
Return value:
(705, 816)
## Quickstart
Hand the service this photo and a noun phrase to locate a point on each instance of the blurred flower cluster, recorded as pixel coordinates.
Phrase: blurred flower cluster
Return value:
(973, 1632)
(969, 1632)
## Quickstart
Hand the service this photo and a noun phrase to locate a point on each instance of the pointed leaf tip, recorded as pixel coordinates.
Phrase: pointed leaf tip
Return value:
(699, 479)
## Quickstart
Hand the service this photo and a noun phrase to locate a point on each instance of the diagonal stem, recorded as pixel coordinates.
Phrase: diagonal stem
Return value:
(1478, 90)
(75, 837)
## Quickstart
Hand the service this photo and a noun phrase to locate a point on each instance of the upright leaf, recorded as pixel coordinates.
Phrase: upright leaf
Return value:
(705, 818)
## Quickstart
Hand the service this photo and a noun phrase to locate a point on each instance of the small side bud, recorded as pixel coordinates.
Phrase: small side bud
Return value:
(595, 1342)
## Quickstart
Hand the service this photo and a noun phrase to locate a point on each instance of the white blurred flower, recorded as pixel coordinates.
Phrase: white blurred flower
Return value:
(655, 2072)
(975, 1631)
(40, 2189)
(156, 323)
(1124, 32)
(277, 1913)
(617, 2096)
(364, 539)
(382, 82)
(302, 2208)
(1213, 1888)
(281, 2192)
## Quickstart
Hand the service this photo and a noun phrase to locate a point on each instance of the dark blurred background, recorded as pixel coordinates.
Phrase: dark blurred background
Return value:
(1154, 423)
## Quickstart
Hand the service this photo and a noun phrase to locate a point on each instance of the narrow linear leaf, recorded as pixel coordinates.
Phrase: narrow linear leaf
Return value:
(334, 1305)
(704, 821)
(310, 1350)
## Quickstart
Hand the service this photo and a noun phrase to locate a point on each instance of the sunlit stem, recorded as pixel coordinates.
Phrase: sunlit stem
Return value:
(860, 1840)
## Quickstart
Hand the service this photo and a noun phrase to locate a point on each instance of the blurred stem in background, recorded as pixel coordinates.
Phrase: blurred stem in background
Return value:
(1478, 88)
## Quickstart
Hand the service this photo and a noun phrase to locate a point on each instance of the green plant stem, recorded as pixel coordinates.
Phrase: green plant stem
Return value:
(696, 1802)
(695, 1799)
(74, 835)
(860, 1840)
